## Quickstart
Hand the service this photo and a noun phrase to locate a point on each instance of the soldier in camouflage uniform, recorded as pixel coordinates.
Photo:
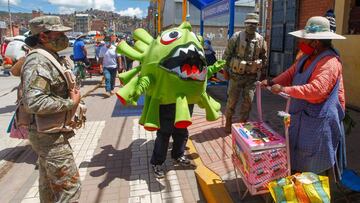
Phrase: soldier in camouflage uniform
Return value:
(245, 57)
(47, 97)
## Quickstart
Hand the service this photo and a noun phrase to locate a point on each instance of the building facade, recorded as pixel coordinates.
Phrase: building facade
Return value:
(98, 25)
(82, 23)
(347, 15)
(215, 28)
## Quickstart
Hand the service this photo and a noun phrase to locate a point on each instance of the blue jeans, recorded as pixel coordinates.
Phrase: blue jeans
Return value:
(167, 129)
(110, 75)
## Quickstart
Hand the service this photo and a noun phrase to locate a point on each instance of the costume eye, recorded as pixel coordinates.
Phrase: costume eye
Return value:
(169, 37)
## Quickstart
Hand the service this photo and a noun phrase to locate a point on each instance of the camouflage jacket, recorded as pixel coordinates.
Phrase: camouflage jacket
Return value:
(249, 47)
(45, 90)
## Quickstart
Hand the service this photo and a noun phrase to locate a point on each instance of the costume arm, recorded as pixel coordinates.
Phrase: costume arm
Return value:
(218, 65)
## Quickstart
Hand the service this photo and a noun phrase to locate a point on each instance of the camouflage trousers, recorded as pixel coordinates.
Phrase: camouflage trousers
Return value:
(244, 84)
(58, 175)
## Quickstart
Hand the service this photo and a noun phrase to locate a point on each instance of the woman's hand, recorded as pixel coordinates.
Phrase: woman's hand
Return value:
(276, 89)
(264, 83)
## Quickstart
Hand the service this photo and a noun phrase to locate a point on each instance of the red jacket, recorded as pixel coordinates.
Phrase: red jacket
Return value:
(322, 81)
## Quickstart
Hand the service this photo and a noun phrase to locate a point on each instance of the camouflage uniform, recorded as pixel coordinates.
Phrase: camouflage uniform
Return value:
(45, 92)
(253, 48)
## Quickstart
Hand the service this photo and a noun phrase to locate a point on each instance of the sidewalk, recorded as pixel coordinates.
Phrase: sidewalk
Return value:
(113, 154)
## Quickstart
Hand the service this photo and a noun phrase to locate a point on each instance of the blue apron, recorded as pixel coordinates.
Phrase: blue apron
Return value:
(316, 131)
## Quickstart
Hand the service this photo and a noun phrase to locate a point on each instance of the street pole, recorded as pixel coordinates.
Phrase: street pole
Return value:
(184, 9)
(159, 17)
(11, 28)
(261, 14)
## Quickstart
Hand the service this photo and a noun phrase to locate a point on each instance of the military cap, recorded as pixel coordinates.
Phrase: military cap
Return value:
(46, 23)
(252, 18)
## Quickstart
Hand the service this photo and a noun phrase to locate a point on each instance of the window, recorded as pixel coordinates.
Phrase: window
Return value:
(354, 18)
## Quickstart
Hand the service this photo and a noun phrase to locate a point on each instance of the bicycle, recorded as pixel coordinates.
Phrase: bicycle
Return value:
(80, 72)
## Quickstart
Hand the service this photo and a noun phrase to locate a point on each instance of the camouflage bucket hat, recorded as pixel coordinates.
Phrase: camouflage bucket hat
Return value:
(252, 18)
(47, 23)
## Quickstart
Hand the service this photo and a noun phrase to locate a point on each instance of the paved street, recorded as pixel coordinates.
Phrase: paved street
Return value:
(7, 100)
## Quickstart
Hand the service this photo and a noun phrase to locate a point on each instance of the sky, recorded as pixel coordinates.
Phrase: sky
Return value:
(123, 7)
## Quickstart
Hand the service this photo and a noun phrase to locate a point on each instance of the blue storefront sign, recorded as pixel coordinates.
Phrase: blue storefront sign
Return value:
(220, 8)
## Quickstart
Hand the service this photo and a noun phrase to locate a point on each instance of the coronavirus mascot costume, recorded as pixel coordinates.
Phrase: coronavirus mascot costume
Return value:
(172, 70)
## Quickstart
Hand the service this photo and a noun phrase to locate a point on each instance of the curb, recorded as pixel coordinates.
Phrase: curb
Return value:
(211, 184)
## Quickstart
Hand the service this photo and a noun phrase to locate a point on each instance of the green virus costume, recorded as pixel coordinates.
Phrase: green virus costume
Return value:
(173, 70)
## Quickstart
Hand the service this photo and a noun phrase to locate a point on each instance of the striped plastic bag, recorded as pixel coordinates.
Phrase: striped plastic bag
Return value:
(301, 188)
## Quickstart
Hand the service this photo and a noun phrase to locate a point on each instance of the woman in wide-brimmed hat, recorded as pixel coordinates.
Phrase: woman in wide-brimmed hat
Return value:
(315, 84)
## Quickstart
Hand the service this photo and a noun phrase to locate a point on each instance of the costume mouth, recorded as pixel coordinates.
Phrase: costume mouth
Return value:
(187, 62)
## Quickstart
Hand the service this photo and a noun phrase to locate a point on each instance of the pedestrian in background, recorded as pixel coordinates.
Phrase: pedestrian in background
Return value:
(98, 46)
(246, 56)
(6, 60)
(50, 101)
(80, 51)
(210, 57)
(110, 62)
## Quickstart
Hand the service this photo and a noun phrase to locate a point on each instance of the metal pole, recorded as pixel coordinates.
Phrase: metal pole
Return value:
(11, 28)
(187, 11)
(201, 23)
(261, 12)
(184, 9)
(159, 16)
(232, 17)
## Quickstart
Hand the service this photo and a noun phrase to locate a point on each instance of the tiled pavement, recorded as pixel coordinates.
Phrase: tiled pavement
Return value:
(112, 153)
(84, 145)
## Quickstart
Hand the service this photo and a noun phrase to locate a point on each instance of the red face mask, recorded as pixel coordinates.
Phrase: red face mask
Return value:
(306, 48)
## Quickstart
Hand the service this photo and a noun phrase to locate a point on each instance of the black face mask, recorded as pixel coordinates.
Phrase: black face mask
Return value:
(250, 28)
(59, 43)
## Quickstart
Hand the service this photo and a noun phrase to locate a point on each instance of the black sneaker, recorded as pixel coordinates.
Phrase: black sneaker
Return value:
(158, 171)
(183, 161)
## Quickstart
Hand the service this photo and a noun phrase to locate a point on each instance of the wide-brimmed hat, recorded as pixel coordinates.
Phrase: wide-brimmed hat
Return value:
(81, 36)
(252, 18)
(317, 27)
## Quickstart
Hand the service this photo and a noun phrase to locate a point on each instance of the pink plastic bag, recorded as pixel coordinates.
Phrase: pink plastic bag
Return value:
(19, 132)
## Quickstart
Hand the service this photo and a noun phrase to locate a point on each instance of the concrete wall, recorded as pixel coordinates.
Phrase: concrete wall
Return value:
(349, 50)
